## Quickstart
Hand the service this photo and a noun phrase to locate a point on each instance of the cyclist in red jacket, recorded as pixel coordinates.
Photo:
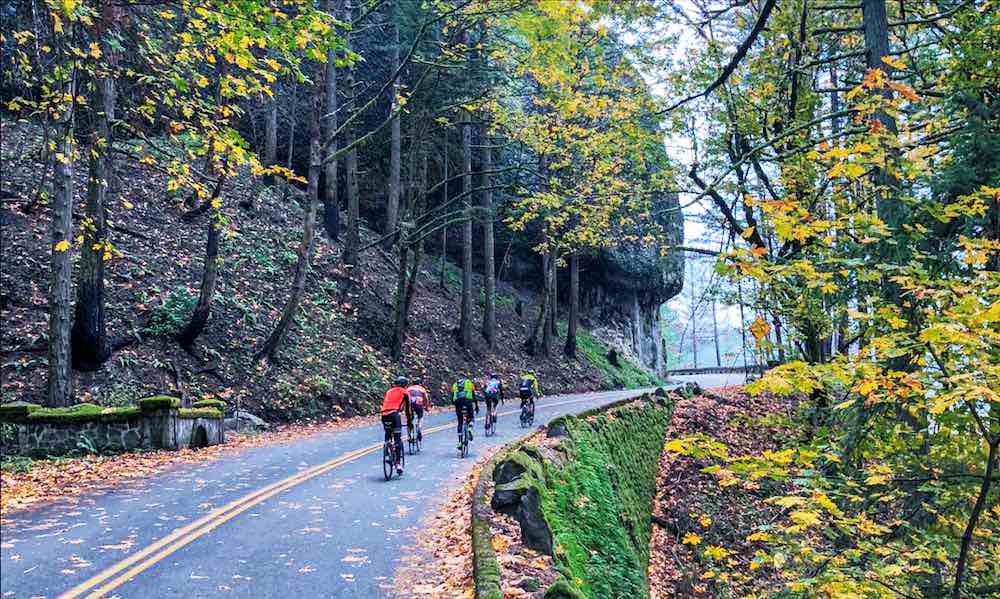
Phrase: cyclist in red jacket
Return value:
(397, 400)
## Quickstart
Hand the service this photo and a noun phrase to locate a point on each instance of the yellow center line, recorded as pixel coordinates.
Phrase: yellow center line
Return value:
(113, 577)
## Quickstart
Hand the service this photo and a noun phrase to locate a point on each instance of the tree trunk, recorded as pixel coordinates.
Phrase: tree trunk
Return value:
(395, 142)
(553, 296)
(331, 205)
(203, 309)
(574, 305)
(60, 382)
(353, 241)
(89, 334)
(465, 322)
(293, 103)
(489, 265)
(694, 320)
(273, 342)
(539, 331)
(549, 298)
(444, 229)
(399, 303)
(715, 335)
(271, 138)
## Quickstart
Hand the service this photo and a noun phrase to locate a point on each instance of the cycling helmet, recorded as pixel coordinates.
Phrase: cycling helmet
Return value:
(400, 381)
(418, 380)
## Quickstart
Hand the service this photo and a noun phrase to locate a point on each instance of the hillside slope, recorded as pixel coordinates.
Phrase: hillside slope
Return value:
(334, 362)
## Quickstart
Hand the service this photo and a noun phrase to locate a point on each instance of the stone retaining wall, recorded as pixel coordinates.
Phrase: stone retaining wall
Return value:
(605, 448)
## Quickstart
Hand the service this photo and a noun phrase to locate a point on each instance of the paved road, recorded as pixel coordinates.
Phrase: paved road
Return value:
(313, 518)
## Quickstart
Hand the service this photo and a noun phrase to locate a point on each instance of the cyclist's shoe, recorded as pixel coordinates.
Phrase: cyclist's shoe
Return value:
(459, 447)
(399, 470)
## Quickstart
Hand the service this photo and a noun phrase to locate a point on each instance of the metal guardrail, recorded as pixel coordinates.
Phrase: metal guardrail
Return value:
(717, 370)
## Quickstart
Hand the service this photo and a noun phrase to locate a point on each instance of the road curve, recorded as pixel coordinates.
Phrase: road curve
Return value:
(310, 518)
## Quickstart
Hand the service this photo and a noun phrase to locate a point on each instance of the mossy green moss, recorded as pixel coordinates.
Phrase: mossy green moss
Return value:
(120, 414)
(199, 413)
(159, 402)
(563, 589)
(210, 403)
(625, 376)
(17, 410)
(79, 413)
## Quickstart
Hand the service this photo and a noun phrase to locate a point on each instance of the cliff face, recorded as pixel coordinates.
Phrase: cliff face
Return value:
(630, 282)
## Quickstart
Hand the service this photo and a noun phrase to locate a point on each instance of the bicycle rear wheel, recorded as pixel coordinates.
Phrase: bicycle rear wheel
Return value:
(387, 465)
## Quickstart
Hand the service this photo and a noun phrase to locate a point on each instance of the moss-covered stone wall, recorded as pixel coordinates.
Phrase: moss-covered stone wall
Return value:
(584, 495)
(156, 423)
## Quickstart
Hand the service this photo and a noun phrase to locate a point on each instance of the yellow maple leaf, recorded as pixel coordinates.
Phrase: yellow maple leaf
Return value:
(62, 246)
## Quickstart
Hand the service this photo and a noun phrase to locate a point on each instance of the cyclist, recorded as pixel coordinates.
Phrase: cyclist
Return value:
(420, 399)
(528, 389)
(463, 393)
(397, 400)
(493, 393)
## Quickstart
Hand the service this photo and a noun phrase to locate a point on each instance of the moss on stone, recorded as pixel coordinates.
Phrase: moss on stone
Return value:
(17, 410)
(563, 589)
(159, 402)
(199, 413)
(79, 413)
(120, 414)
(217, 404)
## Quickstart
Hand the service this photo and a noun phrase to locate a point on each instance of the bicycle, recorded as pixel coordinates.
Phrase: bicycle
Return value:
(465, 436)
(490, 422)
(391, 454)
(527, 414)
(414, 438)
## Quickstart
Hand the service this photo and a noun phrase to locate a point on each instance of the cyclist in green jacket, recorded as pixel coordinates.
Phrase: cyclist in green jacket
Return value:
(463, 393)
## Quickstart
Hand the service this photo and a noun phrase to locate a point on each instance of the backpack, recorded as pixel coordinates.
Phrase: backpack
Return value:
(462, 391)
(492, 388)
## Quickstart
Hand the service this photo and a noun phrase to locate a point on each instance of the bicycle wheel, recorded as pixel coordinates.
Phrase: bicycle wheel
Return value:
(465, 443)
(387, 461)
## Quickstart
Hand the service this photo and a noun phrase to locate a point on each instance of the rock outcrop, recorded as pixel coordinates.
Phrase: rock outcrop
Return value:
(630, 283)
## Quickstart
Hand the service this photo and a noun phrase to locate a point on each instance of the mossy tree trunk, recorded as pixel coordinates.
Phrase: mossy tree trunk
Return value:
(273, 342)
(60, 381)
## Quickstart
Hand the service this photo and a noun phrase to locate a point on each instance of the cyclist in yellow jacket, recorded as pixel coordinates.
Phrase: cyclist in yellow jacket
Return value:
(528, 389)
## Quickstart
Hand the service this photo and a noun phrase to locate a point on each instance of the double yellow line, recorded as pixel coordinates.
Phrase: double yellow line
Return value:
(113, 577)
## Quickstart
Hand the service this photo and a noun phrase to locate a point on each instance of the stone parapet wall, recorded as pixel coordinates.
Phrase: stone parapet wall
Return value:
(157, 423)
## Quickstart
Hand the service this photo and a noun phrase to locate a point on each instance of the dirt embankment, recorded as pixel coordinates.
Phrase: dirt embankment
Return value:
(334, 361)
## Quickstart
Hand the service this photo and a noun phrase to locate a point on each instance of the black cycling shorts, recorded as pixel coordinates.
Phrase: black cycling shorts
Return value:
(392, 422)
(418, 411)
(526, 394)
